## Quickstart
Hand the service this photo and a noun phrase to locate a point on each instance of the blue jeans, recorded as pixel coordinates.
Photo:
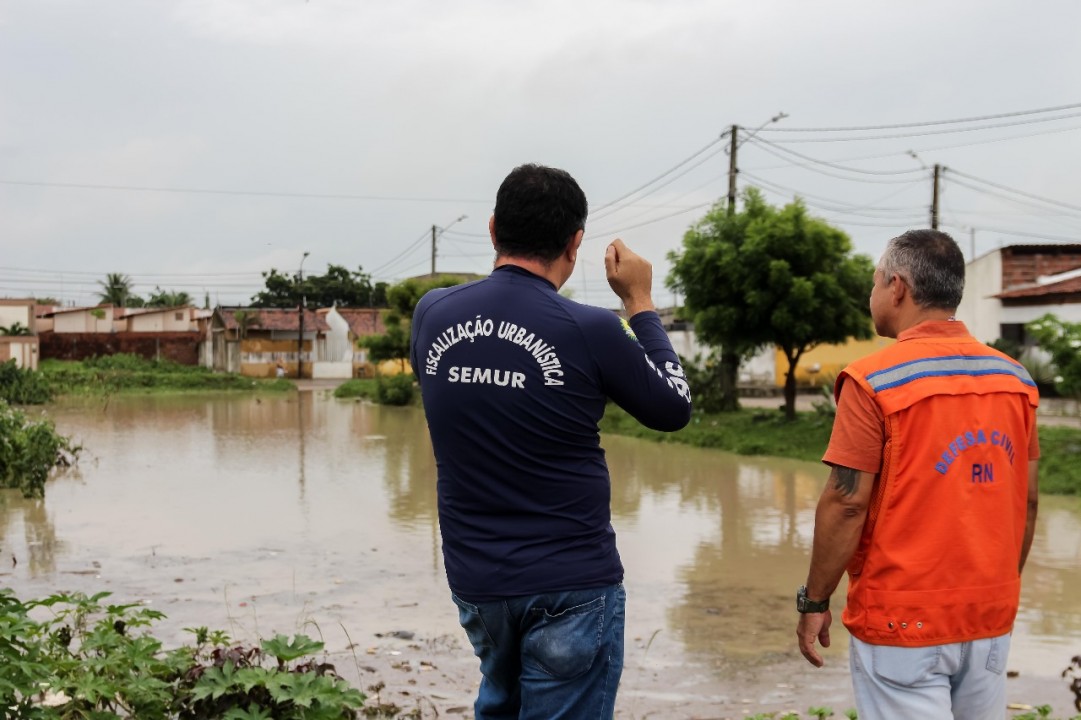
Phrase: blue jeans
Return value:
(958, 681)
(556, 656)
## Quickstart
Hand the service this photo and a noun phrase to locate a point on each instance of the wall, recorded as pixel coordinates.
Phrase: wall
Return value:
(162, 321)
(979, 310)
(17, 311)
(181, 348)
(23, 348)
(821, 365)
(83, 322)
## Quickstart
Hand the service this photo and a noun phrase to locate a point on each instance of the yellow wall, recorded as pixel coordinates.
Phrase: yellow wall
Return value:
(830, 359)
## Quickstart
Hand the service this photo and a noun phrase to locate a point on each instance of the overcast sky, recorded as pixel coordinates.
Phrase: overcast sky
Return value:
(193, 144)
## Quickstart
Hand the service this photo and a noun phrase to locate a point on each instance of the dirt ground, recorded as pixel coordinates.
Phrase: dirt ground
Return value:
(437, 678)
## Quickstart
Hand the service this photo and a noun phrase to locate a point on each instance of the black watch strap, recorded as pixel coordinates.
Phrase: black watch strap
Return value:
(806, 605)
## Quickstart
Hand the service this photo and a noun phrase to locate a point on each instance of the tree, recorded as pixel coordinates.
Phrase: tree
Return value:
(168, 298)
(245, 320)
(16, 328)
(339, 286)
(768, 276)
(402, 299)
(116, 290)
(1062, 341)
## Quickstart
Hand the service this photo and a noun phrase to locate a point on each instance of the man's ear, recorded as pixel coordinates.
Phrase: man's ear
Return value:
(899, 290)
(491, 229)
(575, 243)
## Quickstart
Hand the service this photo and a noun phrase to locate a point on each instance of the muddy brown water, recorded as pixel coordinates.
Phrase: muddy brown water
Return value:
(303, 513)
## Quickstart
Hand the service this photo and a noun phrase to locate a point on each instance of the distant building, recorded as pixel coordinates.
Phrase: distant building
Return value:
(256, 341)
(17, 316)
(1012, 286)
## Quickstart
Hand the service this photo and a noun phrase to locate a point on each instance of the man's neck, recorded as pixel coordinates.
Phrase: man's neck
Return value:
(549, 271)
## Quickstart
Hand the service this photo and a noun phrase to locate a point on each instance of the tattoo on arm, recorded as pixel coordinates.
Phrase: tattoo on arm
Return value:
(845, 480)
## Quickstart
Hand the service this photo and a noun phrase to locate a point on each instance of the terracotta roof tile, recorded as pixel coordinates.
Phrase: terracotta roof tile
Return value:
(363, 321)
(276, 319)
(1063, 287)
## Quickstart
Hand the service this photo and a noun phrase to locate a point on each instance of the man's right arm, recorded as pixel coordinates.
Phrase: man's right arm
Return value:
(1030, 516)
(640, 370)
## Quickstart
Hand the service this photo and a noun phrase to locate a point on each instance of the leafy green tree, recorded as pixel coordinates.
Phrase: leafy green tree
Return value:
(339, 286)
(245, 320)
(16, 328)
(116, 290)
(402, 299)
(768, 276)
(1062, 341)
(168, 298)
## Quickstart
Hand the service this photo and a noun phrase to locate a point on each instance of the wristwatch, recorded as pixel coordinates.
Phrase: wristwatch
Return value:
(806, 605)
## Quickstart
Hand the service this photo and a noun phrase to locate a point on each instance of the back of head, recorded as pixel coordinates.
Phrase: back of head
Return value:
(538, 210)
(932, 265)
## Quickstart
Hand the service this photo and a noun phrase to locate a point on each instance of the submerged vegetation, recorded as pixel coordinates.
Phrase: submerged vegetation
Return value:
(766, 432)
(30, 450)
(131, 373)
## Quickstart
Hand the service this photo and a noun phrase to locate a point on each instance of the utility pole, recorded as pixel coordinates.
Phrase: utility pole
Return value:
(300, 334)
(437, 231)
(433, 250)
(934, 198)
(732, 171)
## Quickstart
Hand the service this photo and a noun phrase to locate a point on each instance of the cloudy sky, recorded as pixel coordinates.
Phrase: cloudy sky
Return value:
(191, 144)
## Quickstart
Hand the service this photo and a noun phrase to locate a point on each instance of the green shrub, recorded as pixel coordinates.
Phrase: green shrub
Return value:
(395, 389)
(356, 388)
(130, 373)
(89, 660)
(29, 450)
(20, 386)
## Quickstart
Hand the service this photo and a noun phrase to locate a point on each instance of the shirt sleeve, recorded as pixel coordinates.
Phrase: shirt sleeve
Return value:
(1034, 438)
(859, 431)
(640, 371)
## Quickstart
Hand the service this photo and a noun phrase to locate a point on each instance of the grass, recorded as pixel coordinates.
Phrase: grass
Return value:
(747, 432)
(132, 374)
(765, 432)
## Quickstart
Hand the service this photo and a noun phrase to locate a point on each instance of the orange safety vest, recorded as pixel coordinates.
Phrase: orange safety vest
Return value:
(938, 559)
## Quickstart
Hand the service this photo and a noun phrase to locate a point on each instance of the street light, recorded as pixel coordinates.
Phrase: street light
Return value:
(300, 334)
(441, 231)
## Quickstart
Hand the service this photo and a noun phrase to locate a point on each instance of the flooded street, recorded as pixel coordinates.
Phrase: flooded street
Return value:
(303, 513)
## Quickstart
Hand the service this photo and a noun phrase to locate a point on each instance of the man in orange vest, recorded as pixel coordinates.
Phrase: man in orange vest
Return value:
(930, 504)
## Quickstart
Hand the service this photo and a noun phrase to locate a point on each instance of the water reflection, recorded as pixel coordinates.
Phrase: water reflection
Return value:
(258, 512)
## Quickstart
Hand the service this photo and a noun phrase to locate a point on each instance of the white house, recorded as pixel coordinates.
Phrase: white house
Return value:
(1013, 285)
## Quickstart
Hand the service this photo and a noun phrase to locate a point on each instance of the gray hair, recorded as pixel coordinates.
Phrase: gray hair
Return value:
(931, 263)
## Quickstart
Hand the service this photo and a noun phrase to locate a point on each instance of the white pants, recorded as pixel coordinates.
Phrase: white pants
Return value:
(959, 681)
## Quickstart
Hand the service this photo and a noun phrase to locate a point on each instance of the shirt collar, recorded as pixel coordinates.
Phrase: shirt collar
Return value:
(935, 329)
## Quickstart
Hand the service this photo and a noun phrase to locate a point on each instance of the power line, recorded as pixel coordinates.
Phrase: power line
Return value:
(665, 173)
(761, 142)
(811, 166)
(252, 193)
(415, 244)
(929, 132)
(1049, 201)
(840, 203)
(981, 118)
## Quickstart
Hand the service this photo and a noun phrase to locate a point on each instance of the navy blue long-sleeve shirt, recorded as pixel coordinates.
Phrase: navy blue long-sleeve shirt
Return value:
(514, 379)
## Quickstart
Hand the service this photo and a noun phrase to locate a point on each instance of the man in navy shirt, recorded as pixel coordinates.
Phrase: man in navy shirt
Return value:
(514, 379)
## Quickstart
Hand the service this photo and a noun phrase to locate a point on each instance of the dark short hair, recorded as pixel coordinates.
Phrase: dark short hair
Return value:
(538, 210)
(931, 263)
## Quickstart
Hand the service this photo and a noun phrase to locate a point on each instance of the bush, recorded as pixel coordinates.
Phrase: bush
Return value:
(1062, 341)
(356, 388)
(395, 389)
(20, 386)
(122, 372)
(93, 661)
(29, 450)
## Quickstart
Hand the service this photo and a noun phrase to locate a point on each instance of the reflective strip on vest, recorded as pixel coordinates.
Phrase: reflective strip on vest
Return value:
(948, 365)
